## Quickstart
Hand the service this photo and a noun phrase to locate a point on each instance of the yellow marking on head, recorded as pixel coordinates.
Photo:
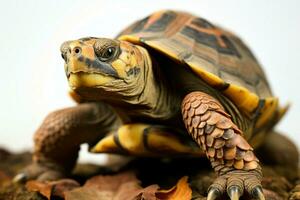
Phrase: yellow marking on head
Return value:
(74, 65)
(88, 80)
(87, 50)
(120, 67)
(125, 55)
(129, 58)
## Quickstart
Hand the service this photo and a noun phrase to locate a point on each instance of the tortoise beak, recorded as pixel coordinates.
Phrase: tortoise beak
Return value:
(80, 57)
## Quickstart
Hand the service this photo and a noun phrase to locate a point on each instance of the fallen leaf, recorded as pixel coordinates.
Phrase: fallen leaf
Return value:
(111, 182)
(84, 193)
(148, 193)
(126, 192)
(61, 186)
(41, 187)
(52, 188)
(4, 178)
(181, 191)
(123, 186)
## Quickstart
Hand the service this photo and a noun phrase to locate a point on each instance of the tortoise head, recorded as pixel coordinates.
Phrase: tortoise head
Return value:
(98, 66)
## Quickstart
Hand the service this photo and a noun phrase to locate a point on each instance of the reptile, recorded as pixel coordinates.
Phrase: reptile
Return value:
(169, 84)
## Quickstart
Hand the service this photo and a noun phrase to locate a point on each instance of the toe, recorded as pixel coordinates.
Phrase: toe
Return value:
(235, 187)
(235, 183)
(217, 188)
(213, 194)
(20, 178)
(257, 193)
(234, 192)
(30, 172)
(253, 187)
(38, 171)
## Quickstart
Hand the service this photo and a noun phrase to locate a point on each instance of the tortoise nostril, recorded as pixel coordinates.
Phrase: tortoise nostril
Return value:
(64, 57)
(64, 48)
(77, 50)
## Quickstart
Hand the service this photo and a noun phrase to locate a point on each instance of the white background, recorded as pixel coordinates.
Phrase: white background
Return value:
(32, 80)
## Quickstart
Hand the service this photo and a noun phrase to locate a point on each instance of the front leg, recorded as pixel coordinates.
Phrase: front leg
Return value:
(58, 139)
(230, 154)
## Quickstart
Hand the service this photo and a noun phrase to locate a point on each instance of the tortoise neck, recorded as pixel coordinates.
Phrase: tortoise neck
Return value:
(153, 101)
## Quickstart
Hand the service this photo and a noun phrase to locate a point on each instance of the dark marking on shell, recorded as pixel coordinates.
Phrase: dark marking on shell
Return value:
(259, 108)
(162, 23)
(139, 25)
(211, 41)
(200, 22)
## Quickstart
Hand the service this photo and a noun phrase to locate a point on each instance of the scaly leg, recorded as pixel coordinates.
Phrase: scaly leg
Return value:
(58, 139)
(230, 154)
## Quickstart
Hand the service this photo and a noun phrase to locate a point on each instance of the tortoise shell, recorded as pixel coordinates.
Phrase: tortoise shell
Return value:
(215, 55)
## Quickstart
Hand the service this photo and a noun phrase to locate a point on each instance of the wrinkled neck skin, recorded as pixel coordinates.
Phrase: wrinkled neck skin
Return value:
(143, 97)
(149, 94)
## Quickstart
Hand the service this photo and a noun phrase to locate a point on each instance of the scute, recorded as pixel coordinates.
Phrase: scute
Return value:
(214, 54)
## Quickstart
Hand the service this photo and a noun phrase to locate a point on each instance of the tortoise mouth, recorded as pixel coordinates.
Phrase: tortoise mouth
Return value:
(88, 79)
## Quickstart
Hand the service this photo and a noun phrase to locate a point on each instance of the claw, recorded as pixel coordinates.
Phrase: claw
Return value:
(234, 193)
(20, 178)
(258, 193)
(213, 194)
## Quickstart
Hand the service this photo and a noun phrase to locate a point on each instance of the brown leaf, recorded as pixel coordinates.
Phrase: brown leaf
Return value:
(62, 186)
(52, 188)
(181, 191)
(147, 193)
(123, 186)
(4, 178)
(41, 187)
(84, 193)
(111, 182)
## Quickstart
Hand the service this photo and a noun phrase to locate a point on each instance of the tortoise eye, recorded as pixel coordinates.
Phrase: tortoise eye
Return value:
(107, 53)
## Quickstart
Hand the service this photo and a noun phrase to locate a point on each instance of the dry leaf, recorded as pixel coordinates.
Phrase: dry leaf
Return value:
(41, 187)
(52, 188)
(181, 191)
(123, 186)
(84, 193)
(111, 182)
(61, 186)
(4, 178)
(148, 193)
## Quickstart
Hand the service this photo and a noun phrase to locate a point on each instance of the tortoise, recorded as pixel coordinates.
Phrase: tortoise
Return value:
(170, 84)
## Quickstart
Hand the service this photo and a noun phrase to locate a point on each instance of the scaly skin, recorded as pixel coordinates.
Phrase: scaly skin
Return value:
(129, 79)
(230, 154)
(58, 139)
